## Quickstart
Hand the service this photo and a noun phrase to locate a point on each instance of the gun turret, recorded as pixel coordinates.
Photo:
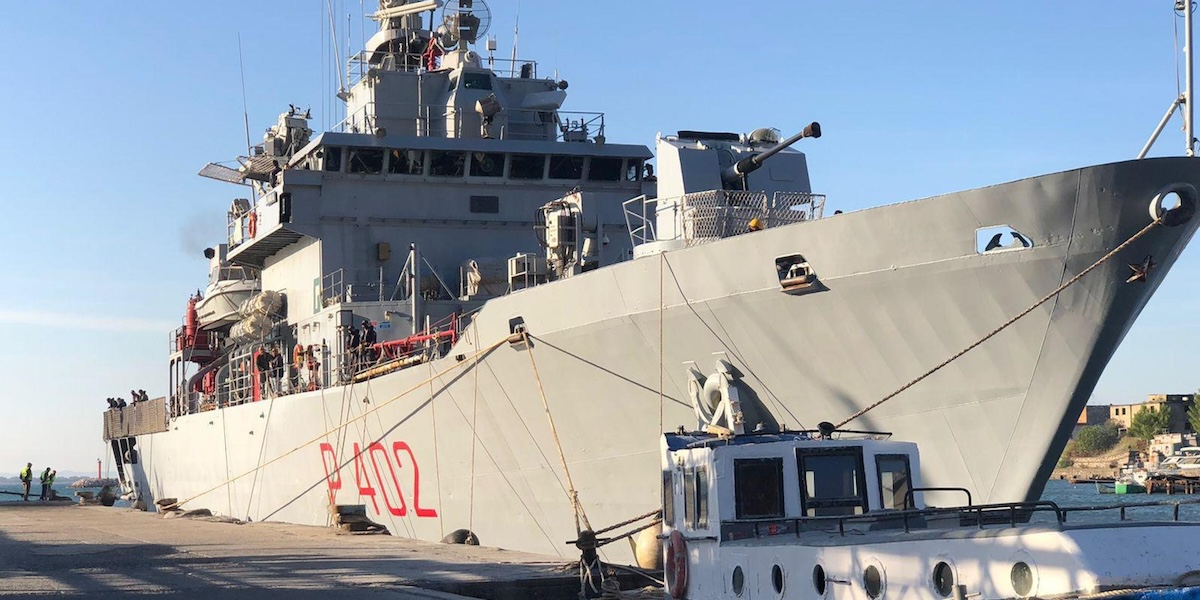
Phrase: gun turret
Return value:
(749, 164)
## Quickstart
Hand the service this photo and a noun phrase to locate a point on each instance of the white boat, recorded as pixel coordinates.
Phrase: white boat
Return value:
(841, 515)
(229, 286)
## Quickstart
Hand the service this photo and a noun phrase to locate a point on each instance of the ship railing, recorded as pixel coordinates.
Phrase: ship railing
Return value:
(439, 120)
(367, 362)
(355, 285)
(360, 65)
(179, 340)
(702, 217)
(138, 418)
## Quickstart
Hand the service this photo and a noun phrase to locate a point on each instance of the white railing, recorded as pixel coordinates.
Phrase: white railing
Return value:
(702, 217)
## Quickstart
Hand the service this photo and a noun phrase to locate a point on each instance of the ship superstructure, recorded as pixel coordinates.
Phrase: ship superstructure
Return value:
(475, 312)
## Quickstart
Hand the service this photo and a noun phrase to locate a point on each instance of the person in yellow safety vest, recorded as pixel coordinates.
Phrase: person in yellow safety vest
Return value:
(50, 485)
(45, 479)
(26, 479)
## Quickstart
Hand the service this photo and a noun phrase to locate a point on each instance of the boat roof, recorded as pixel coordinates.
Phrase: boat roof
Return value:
(696, 439)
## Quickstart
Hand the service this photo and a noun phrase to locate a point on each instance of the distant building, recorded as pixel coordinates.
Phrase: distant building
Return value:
(1177, 404)
(1092, 415)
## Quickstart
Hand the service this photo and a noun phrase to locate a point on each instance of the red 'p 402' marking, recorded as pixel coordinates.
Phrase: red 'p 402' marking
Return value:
(389, 487)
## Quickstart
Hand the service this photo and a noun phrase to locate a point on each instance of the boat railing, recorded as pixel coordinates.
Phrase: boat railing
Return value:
(510, 123)
(366, 63)
(978, 516)
(701, 217)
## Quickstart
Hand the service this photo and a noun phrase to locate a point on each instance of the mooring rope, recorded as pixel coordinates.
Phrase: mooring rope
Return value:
(1004, 326)
(572, 494)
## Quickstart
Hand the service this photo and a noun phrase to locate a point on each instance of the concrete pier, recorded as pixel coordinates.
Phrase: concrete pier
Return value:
(69, 550)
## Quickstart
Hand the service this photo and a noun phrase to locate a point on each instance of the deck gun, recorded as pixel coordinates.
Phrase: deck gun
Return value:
(737, 172)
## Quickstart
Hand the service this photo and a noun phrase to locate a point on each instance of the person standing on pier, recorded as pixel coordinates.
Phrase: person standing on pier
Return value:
(26, 479)
(45, 479)
(50, 485)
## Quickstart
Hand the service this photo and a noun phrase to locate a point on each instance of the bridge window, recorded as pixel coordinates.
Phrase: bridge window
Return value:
(832, 482)
(894, 480)
(604, 169)
(633, 170)
(526, 166)
(487, 164)
(477, 81)
(331, 159)
(443, 163)
(758, 488)
(406, 162)
(566, 167)
(365, 160)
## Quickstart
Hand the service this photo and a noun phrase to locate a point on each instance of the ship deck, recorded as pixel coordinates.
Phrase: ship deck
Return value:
(69, 550)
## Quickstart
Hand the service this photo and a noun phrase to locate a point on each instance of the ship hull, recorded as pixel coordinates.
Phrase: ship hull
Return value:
(477, 439)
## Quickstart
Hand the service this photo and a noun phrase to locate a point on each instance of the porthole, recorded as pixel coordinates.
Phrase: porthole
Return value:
(819, 579)
(873, 581)
(1022, 579)
(739, 580)
(777, 579)
(943, 579)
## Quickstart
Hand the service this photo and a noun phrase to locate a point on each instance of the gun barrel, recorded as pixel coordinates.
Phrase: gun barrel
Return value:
(752, 163)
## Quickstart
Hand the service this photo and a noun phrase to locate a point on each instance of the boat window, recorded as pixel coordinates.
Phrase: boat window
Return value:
(695, 497)
(689, 495)
(443, 163)
(332, 156)
(633, 169)
(668, 498)
(758, 488)
(566, 167)
(894, 480)
(604, 169)
(832, 482)
(365, 160)
(406, 162)
(476, 81)
(487, 164)
(527, 166)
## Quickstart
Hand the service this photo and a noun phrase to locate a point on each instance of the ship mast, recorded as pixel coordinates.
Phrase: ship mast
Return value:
(1184, 99)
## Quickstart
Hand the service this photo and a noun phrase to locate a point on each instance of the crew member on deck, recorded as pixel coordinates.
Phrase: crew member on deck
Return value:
(262, 365)
(276, 371)
(368, 341)
(314, 370)
(353, 347)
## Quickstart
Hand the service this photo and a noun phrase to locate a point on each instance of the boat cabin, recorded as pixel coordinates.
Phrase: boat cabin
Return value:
(750, 486)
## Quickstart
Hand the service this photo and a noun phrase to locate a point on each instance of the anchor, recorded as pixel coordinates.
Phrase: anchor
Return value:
(715, 400)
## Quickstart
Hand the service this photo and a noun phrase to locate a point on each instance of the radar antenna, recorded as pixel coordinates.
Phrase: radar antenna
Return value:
(464, 21)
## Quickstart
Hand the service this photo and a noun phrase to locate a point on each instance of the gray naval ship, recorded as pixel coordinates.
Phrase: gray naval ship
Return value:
(463, 308)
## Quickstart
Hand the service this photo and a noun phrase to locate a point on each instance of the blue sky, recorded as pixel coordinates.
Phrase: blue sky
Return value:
(113, 107)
